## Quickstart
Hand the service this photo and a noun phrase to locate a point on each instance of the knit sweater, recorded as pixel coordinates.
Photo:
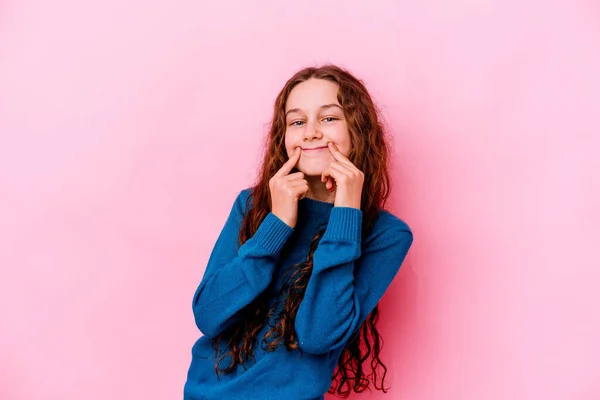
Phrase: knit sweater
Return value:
(350, 275)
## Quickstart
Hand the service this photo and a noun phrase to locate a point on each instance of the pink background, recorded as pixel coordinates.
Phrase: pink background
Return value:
(127, 129)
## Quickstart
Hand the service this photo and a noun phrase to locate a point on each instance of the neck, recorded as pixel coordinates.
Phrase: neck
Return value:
(318, 191)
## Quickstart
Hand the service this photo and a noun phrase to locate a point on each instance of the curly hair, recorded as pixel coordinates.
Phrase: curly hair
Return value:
(370, 154)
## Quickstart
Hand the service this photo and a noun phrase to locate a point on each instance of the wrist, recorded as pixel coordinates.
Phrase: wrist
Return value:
(347, 204)
(288, 222)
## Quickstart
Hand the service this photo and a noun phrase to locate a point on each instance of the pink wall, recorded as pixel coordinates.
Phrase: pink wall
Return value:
(128, 128)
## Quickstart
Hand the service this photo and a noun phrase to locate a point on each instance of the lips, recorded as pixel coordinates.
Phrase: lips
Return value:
(315, 148)
(315, 152)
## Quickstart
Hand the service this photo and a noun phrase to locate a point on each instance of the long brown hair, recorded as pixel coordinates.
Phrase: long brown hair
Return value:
(370, 154)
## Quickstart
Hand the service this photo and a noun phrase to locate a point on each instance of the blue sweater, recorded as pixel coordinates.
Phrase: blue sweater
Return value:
(350, 275)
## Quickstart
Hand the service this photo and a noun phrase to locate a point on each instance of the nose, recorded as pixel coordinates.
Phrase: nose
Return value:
(312, 132)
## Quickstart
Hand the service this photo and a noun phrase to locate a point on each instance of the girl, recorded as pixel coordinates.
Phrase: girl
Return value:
(291, 288)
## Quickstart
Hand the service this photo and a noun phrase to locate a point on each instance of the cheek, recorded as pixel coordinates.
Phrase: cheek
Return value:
(288, 143)
(342, 139)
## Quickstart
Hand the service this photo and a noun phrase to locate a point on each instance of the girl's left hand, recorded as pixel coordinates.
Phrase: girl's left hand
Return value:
(348, 179)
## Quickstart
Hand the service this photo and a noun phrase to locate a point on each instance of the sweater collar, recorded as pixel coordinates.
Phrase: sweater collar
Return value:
(314, 210)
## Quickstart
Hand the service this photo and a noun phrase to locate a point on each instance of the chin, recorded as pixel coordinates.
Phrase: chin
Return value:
(311, 171)
(312, 168)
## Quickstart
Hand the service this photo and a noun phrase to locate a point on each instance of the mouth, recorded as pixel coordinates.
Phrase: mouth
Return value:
(314, 149)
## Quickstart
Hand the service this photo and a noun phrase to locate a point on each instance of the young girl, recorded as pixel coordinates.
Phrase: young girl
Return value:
(291, 288)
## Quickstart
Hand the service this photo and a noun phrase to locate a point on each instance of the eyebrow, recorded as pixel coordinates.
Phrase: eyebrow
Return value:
(321, 108)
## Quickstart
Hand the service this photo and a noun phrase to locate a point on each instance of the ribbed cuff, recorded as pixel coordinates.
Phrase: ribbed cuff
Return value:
(345, 223)
(272, 234)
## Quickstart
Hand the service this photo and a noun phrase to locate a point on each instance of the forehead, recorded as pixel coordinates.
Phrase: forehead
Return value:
(312, 94)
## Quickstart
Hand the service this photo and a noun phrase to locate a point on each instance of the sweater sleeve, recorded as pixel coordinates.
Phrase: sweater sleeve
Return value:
(348, 279)
(234, 278)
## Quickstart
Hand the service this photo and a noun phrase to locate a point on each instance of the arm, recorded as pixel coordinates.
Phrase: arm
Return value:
(335, 304)
(234, 278)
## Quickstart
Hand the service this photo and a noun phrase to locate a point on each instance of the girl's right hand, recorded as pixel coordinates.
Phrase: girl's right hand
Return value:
(286, 190)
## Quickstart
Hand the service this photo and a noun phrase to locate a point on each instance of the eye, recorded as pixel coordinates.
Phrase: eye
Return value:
(296, 123)
(330, 119)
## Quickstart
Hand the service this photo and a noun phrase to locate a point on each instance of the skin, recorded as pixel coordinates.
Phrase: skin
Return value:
(310, 123)
(315, 118)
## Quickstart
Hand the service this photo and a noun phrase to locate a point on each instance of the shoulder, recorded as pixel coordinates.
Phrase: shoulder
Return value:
(243, 201)
(387, 220)
(389, 227)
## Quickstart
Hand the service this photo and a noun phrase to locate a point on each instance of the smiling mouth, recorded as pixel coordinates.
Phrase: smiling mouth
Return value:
(315, 148)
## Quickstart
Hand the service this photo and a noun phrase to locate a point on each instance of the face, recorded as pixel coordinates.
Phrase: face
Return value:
(314, 117)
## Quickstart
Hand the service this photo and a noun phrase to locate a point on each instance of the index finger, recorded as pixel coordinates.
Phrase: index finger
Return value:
(289, 164)
(338, 154)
